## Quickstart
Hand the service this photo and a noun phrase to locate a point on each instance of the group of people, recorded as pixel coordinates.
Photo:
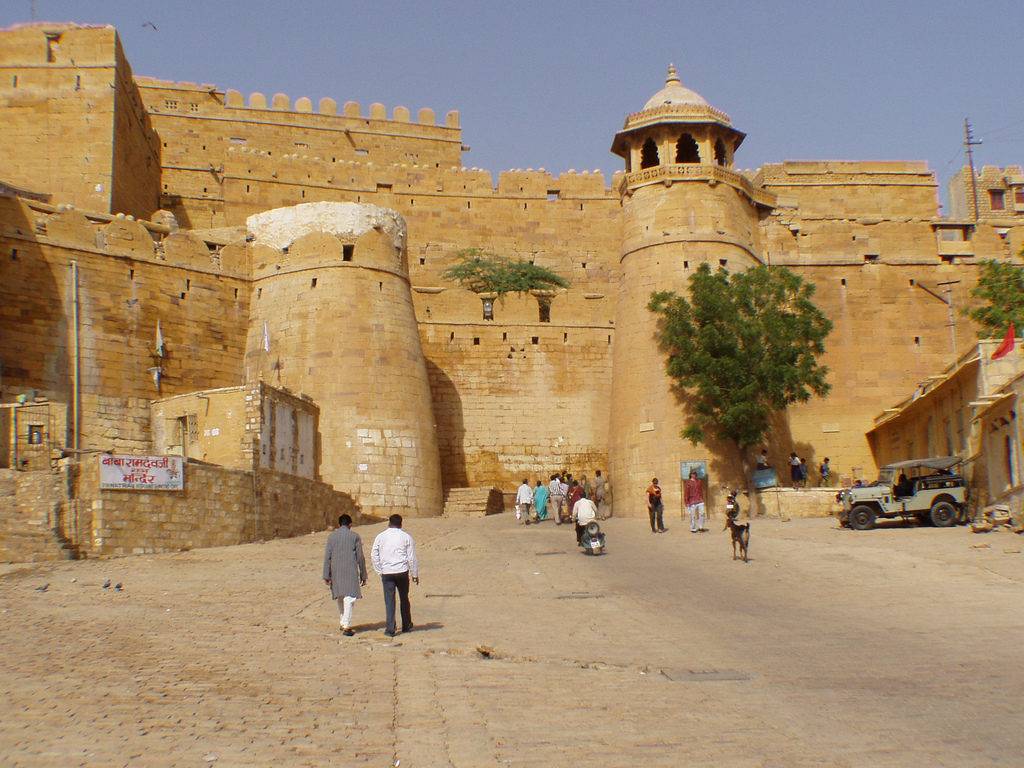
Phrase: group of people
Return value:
(393, 557)
(798, 470)
(564, 499)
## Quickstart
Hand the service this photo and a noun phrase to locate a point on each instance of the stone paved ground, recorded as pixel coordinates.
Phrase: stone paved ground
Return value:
(830, 648)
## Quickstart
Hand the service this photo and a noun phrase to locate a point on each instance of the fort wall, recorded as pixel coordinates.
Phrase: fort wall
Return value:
(131, 275)
(58, 111)
(218, 507)
(516, 398)
(197, 125)
(135, 175)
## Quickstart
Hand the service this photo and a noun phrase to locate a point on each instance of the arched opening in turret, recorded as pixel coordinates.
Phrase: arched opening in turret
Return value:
(686, 150)
(720, 156)
(649, 154)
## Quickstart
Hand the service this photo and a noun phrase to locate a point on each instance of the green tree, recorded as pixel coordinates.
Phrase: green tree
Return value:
(483, 272)
(1000, 288)
(740, 348)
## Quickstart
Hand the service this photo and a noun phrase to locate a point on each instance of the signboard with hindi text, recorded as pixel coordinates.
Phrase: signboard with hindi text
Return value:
(142, 473)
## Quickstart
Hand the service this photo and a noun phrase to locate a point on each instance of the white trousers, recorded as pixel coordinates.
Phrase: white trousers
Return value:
(697, 516)
(345, 608)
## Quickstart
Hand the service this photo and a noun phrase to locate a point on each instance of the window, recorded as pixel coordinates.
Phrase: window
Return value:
(170, 104)
(544, 307)
(720, 154)
(649, 154)
(997, 199)
(1018, 196)
(686, 150)
(193, 107)
(347, 252)
(35, 434)
(52, 46)
(14, 81)
(488, 309)
(237, 140)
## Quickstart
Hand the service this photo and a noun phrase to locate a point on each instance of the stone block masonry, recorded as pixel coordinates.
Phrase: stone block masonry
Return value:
(218, 507)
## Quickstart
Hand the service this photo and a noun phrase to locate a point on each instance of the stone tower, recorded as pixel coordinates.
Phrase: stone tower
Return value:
(683, 205)
(332, 317)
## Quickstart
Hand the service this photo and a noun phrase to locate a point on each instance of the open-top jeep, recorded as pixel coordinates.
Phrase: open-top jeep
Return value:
(926, 489)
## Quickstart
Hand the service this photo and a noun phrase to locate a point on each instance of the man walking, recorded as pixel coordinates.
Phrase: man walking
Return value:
(655, 507)
(524, 500)
(693, 497)
(557, 498)
(394, 557)
(345, 569)
(599, 491)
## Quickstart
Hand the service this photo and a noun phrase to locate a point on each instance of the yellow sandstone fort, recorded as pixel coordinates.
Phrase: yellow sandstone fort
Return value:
(256, 283)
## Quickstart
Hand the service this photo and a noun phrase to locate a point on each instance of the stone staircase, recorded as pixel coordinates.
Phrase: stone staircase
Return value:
(26, 532)
(473, 502)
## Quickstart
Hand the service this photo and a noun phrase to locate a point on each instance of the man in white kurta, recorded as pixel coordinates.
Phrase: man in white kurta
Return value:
(524, 500)
(345, 569)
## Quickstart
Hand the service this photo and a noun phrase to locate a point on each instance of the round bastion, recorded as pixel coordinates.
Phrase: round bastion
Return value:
(332, 318)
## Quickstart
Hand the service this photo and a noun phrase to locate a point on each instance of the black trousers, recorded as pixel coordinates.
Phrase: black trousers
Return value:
(656, 512)
(579, 532)
(391, 582)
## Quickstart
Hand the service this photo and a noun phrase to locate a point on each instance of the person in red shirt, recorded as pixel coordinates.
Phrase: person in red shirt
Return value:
(575, 494)
(693, 497)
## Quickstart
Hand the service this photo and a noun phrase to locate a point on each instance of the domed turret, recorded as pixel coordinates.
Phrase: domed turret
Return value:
(677, 126)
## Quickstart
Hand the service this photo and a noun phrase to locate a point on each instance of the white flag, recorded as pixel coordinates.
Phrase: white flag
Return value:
(266, 337)
(159, 341)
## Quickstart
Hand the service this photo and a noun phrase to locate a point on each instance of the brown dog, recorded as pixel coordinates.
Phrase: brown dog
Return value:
(740, 536)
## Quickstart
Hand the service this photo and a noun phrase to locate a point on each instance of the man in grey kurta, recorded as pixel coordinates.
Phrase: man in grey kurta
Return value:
(345, 569)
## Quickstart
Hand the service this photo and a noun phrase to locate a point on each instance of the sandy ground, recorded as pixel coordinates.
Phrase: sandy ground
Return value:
(896, 647)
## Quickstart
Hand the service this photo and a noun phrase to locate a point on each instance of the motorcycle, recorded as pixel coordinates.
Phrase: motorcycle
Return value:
(592, 539)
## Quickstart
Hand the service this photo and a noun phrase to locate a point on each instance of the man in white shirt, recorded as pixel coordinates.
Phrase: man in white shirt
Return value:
(394, 558)
(583, 511)
(524, 499)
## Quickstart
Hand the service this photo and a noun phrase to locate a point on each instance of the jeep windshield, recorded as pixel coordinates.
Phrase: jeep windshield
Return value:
(887, 475)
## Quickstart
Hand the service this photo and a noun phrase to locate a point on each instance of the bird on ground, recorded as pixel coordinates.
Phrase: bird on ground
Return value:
(117, 587)
(43, 588)
(106, 584)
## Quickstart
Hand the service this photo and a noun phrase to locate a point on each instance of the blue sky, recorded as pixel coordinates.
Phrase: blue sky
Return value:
(547, 84)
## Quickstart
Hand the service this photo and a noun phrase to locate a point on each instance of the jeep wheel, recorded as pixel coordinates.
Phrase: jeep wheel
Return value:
(862, 518)
(943, 514)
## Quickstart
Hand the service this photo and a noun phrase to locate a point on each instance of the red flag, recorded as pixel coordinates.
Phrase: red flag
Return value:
(1006, 347)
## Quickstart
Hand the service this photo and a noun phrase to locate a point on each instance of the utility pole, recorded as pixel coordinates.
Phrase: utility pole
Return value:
(969, 142)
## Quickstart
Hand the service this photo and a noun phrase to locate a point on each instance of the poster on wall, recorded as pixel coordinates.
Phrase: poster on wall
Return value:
(141, 473)
(700, 467)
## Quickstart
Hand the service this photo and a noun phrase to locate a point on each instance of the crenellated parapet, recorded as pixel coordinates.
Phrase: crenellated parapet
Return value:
(195, 99)
(123, 235)
(411, 178)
